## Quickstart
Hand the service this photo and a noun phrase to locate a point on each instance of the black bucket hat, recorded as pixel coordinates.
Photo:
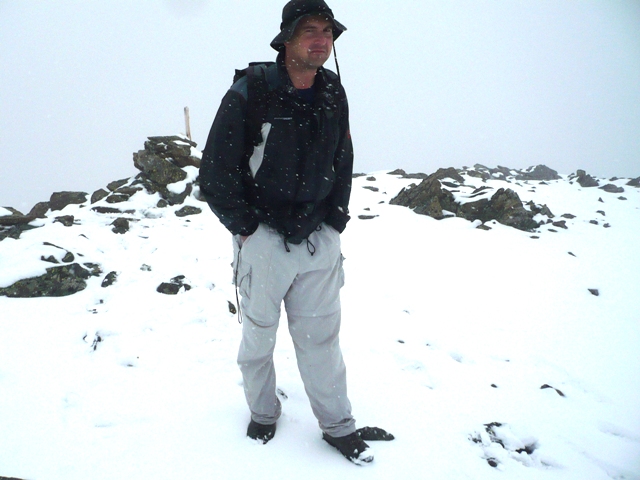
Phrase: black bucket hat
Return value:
(294, 11)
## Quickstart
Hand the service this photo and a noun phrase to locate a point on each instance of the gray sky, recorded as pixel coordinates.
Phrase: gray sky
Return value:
(431, 83)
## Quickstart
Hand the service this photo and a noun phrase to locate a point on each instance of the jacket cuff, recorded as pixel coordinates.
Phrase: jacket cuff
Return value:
(337, 219)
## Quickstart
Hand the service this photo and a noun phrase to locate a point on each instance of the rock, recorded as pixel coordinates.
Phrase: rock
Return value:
(115, 185)
(66, 220)
(634, 183)
(120, 225)
(117, 198)
(14, 212)
(129, 191)
(447, 173)
(39, 210)
(111, 210)
(157, 169)
(59, 200)
(586, 180)
(595, 292)
(177, 198)
(539, 172)
(505, 206)
(188, 210)
(559, 392)
(165, 193)
(109, 279)
(560, 224)
(15, 231)
(611, 188)
(178, 149)
(373, 189)
(403, 174)
(568, 215)
(57, 282)
(232, 308)
(98, 195)
(428, 198)
(371, 179)
(15, 219)
(173, 286)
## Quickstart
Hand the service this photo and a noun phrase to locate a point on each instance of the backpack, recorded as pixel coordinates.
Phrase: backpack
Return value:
(262, 79)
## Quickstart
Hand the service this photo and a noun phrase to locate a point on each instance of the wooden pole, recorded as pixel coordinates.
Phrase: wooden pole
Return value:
(186, 122)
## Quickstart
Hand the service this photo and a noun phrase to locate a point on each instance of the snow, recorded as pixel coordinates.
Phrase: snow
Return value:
(447, 329)
(5, 212)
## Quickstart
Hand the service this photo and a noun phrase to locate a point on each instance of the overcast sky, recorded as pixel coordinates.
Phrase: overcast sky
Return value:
(431, 83)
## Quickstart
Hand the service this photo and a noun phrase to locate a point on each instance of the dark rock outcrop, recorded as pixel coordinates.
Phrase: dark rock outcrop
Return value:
(57, 282)
(188, 210)
(539, 172)
(403, 174)
(120, 225)
(611, 188)
(157, 169)
(173, 286)
(585, 180)
(178, 149)
(634, 183)
(59, 200)
(66, 220)
(109, 279)
(98, 195)
(505, 206)
(161, 163)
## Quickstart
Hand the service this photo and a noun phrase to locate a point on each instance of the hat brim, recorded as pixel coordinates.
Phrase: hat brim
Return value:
(287, 31)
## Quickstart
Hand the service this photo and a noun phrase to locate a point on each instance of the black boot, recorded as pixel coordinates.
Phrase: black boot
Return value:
(261, 432)
(352, 447)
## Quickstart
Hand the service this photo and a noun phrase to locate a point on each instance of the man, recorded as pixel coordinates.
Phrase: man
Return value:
(282, 189)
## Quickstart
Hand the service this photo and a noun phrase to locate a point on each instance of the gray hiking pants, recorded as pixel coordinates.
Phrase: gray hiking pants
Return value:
(309, 285)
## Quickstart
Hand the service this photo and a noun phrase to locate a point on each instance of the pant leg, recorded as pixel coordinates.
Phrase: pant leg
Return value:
(264, 277)
(313, 311)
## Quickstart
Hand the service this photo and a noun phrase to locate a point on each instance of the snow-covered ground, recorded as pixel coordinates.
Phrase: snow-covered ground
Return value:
(449, 333)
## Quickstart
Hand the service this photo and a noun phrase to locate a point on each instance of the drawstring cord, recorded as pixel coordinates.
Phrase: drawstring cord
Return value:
(335, 58)
(235, 281)
(311, 246)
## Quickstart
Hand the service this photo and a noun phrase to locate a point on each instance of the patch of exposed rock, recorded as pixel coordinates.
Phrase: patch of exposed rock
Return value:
(59, 281)
(430, 198)
(584, 179)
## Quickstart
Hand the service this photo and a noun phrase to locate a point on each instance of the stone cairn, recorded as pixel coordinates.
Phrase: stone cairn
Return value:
(161, 163)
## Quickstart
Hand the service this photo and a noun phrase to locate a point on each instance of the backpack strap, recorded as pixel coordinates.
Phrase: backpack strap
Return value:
(262, 79)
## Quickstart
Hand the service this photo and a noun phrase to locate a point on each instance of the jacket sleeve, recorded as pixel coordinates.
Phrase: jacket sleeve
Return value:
(338, 215)
(221, 169)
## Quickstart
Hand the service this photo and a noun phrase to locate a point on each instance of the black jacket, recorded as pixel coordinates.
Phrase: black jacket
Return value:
(302, 172)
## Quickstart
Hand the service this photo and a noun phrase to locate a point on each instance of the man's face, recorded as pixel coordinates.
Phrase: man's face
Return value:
(311, 43)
